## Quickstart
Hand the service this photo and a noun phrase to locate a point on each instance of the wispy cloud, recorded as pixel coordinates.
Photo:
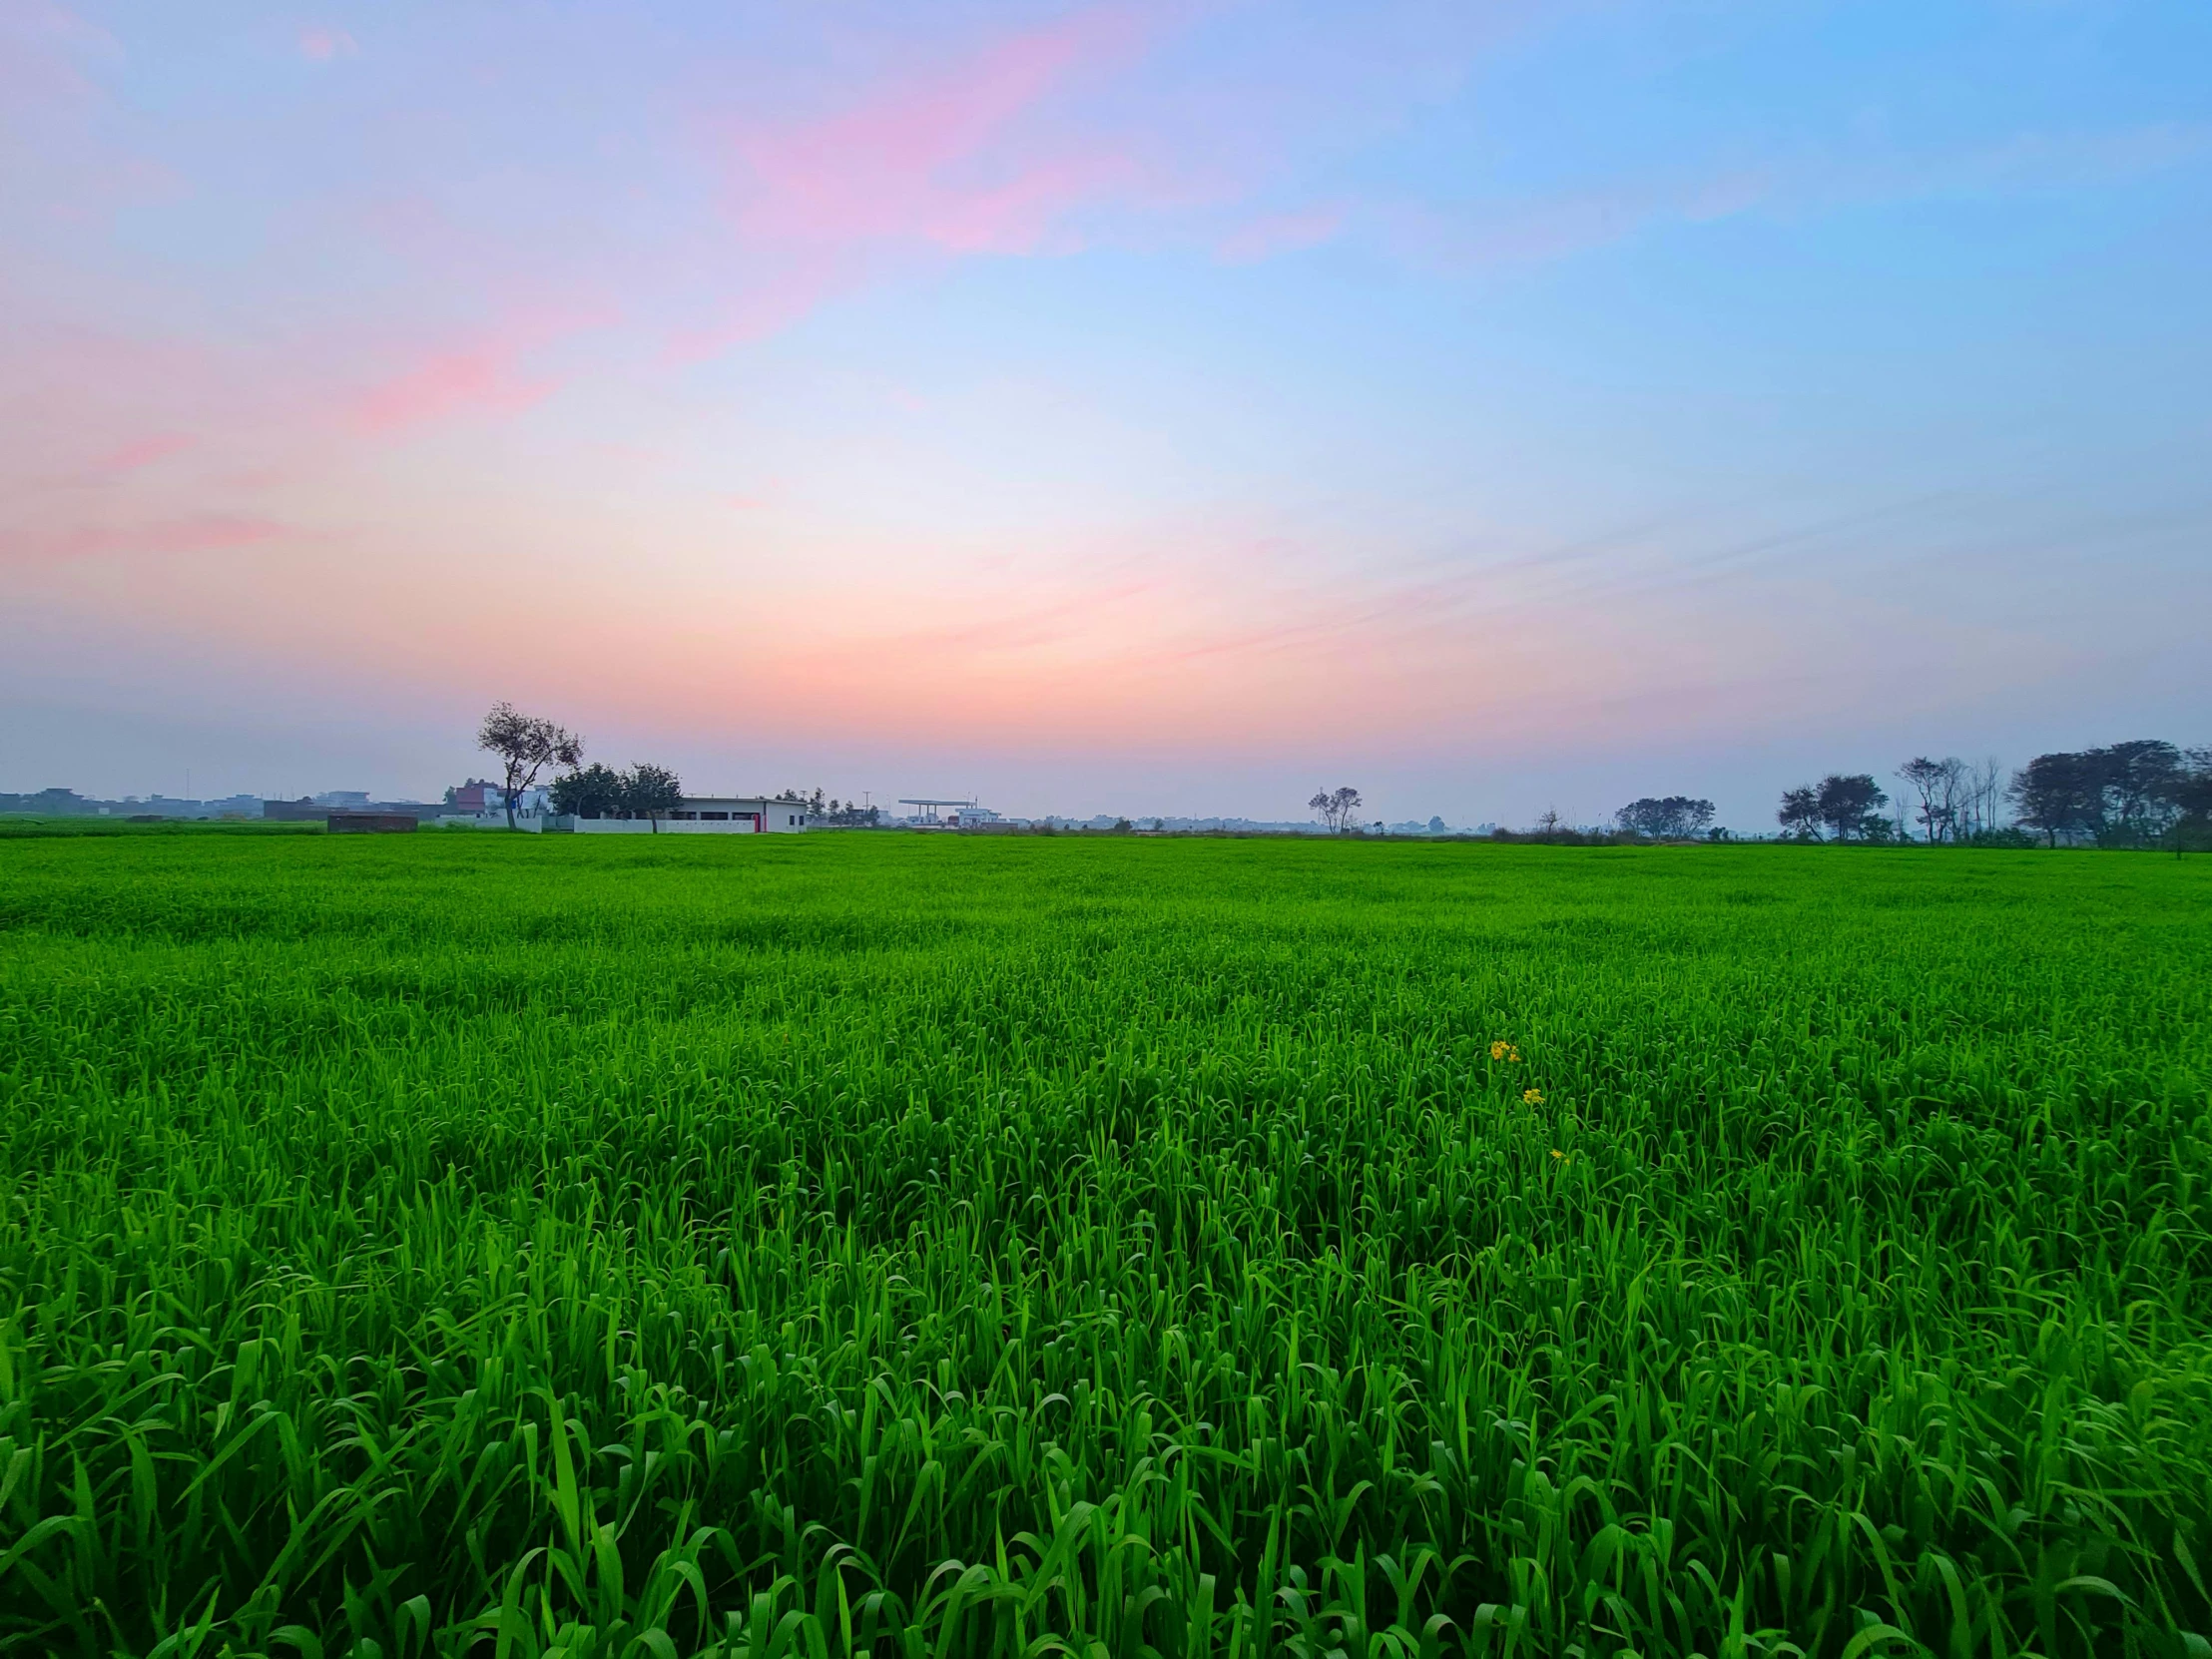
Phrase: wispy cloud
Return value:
(490, 375)
(1537, 229)
(939, 162)
(144, 452)
(207, 533)
(486, 379)
(931, 159)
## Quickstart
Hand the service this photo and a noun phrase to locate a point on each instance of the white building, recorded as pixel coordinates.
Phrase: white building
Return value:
(699, 814)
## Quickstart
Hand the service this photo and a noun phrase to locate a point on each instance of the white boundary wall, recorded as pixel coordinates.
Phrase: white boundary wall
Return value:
(644, 827)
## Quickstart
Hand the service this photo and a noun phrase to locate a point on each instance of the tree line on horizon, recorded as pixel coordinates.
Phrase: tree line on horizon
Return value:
(2142, 794)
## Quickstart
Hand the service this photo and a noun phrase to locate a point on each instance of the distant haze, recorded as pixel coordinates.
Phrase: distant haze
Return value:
(1146, 409)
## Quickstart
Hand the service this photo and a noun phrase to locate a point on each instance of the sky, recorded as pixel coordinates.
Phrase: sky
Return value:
(1168, 407)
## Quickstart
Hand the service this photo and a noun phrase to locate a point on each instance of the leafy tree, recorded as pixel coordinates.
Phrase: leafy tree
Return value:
(649, 790)
(526, 744)
(2127, 795)
(2059, 794)
(1337, 809)
(1669, 818)
(2189, 795)
(1801, 812)
(2138, 780)
(1850, 804)
(593, 791)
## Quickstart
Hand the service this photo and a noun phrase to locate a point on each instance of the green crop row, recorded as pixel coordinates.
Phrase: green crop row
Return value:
(834, 1244)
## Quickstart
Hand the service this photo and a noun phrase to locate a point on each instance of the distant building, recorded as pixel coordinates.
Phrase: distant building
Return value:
(481, 795)
(695, 815)
(476, 795)
(49, 803)
(343, 799)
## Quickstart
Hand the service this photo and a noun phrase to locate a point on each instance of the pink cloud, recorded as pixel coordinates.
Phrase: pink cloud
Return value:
(482, 376)
(321, 44)
(805, 278)
(483, 379)
(145, 452)
(191, 533)
(936, 160)
(903, 164)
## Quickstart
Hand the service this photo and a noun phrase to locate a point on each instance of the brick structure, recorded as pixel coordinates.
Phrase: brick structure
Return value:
(370, 823)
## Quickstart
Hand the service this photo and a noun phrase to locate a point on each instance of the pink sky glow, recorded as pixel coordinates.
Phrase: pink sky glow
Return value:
(1217, 383)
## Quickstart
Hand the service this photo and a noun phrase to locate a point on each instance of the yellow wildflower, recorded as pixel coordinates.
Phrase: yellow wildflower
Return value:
(1532, 1097)
(1503, 1051)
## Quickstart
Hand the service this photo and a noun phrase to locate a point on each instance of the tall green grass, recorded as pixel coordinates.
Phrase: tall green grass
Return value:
(832, 1245)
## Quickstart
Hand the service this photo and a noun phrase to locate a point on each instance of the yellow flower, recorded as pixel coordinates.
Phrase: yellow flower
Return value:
(1532, 1097)
(1556, 1153)
(1503, 1051)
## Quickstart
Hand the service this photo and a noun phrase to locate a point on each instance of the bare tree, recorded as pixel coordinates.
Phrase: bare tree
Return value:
(1981, 797)
(526, 744)
(1939, 786)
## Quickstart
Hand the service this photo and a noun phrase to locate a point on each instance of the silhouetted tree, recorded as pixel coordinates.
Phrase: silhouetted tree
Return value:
(1849, 804)
(2058, 794)
(526, 744)
(1939, 786)
(1668, 817)
(1801, 812)
(1336, 807)
(2128, 795)
(2138, 780)
(2189, 794)
(1982, 789)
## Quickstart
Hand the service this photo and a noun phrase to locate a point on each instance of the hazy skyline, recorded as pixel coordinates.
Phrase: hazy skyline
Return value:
(1154, 407)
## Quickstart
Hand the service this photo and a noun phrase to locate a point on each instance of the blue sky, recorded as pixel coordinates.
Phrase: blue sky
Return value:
(1152, 407)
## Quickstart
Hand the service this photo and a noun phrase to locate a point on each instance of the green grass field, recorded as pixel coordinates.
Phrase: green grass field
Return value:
(471, 1244)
